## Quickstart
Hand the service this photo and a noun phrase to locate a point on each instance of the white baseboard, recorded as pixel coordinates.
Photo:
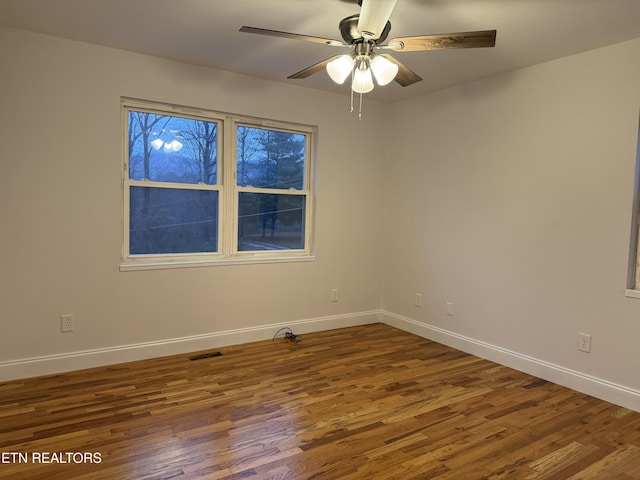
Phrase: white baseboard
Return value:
(50, 364)
(596, 387)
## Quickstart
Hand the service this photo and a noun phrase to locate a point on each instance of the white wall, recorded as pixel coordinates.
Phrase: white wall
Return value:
(511, 198)
(61, 208)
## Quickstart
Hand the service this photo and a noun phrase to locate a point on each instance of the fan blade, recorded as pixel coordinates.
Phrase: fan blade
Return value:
(307, 72)
(484, 38)
(405, 76)
(293, 36)
(374, 15)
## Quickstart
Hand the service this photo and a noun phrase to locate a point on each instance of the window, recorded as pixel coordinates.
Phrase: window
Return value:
(633, 275)
(205, 187)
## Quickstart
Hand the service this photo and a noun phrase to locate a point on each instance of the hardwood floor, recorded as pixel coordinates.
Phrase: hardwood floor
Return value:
(368, 402)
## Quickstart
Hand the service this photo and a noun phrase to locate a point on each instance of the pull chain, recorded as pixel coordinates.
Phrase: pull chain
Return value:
(351, 89)
(360, 106)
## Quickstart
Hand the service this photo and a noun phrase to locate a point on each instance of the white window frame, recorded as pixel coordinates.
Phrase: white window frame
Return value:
(228, 191)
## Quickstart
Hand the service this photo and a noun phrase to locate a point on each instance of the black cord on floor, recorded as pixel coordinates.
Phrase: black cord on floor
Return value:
(289, 335)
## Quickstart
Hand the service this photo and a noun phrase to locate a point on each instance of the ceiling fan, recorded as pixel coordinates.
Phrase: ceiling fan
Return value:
(365, 33)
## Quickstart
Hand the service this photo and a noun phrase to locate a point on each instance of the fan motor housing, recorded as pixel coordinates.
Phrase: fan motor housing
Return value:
(349, 30)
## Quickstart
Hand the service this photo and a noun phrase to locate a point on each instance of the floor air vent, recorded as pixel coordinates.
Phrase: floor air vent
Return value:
(202, 356)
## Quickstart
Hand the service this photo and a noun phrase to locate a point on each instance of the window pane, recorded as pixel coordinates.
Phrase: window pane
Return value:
(163, 148)
(270, 159)
(172, 220)
(270, 222)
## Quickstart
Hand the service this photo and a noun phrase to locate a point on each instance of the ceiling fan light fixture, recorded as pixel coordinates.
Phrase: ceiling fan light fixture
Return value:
(362, 78)
(157, 144)
(173, 146)
(340, 68)
(383, 70)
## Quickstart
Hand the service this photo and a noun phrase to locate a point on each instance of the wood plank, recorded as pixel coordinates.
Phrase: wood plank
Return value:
(369, 402)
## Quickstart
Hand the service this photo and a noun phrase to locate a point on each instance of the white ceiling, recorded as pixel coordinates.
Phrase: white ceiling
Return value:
(205, 32)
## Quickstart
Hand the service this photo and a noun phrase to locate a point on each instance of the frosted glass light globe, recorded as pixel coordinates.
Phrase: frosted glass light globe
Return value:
(384, 70)
(340, 68)
(362, 79)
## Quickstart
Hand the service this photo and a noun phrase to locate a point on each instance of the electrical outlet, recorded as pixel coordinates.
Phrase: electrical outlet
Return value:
(450, 309)
(584, 342)
(334, 294)
(66, 323)
(418, 300)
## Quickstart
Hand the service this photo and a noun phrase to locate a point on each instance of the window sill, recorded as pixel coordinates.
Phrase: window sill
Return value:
(131, 266)
(632, 293)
